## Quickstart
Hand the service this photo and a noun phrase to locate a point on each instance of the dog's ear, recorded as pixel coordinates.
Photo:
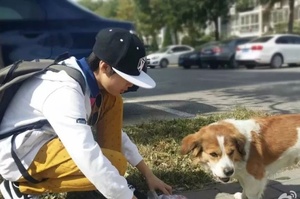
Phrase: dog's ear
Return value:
(190, 143)
(240, 142)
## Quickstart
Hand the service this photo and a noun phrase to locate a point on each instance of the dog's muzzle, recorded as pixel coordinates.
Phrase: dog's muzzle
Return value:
(225, 180)
(228, 172)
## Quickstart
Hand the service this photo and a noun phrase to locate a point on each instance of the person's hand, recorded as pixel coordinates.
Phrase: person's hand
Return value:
(155, 183)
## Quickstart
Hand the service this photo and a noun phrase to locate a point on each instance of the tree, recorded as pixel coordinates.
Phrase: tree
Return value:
(291, 16)
(167, 40)
(167, 13)
(214, 10)
(102, 8)
(125, 10)
(244, 5)
(269, 4)
(193, 22)
(172, 17)
(91, 5)
(150, 16)
(108, 9)
(149, 19)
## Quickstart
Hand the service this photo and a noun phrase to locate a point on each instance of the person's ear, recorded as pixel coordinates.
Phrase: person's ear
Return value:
(104, 67)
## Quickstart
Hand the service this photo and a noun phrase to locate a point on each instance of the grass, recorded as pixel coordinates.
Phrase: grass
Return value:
(159, 143)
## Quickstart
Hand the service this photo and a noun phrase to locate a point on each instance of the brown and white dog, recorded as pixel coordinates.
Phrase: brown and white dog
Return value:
(248, 150)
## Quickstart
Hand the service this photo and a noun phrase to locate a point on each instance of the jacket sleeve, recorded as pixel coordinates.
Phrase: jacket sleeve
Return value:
(130, 150)
(65, 110)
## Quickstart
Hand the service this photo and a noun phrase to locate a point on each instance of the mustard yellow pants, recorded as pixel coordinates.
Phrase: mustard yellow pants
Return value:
(54, 163)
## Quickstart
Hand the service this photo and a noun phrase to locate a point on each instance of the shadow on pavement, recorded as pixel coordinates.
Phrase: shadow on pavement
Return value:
(135, 113)
(274, 190)
(282, 100)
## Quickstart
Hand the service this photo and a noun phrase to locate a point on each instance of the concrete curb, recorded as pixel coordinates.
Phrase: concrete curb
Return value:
(284, 182)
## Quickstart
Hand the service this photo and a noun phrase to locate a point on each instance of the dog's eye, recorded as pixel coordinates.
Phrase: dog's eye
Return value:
(213, 154)
(231, 152)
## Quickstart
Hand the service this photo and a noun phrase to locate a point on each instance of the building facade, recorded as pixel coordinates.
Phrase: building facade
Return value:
(258, 21)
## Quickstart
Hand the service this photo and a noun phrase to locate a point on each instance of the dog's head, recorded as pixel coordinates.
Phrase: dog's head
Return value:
(218, 146)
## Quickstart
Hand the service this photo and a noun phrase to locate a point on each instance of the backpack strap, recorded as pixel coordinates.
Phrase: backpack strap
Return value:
(23, 70)
(72, 72)
(20, 166)
(18, 162)
(61, 57)
(36, 125)
(10, 72)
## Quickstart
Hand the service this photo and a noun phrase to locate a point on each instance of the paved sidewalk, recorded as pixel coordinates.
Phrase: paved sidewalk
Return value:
(283, 183)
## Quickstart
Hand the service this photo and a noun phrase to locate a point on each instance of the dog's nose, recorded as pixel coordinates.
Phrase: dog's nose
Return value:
(228, 171)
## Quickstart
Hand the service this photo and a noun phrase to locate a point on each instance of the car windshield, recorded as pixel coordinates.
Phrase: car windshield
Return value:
(226, 43)
(162, 50)
(209, 45)
(261, 39)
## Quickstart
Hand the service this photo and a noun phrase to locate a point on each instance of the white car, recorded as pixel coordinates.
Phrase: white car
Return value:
(274, 50)
(167, 55)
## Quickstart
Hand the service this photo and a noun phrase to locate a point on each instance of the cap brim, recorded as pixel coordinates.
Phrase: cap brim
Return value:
(143, 80)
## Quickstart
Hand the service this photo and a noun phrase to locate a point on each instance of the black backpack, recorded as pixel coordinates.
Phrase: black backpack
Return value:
(12, 77)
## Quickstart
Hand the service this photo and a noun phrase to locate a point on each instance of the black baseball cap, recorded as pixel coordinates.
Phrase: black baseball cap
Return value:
(125, 53)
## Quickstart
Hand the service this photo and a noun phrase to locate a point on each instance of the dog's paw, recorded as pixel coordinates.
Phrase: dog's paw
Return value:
(238, 195)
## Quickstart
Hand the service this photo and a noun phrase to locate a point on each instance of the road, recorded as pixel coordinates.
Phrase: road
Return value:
(186, 93)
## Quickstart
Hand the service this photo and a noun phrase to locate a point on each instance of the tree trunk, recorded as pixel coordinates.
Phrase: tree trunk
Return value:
(268, 6)
(176, 37)
(154, 45)
(215, 21)
(291, 16)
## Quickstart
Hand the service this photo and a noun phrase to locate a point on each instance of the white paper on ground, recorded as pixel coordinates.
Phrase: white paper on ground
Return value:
(153, 195)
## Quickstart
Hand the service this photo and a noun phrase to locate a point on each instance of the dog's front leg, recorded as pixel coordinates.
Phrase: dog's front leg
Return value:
(239, 195)
(253, 188)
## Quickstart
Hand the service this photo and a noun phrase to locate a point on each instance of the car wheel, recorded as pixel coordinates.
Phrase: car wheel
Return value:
(250, 66)
(276, 61)
(232, 63)
(204, 65)
(214, 66)
(186, 66)
(292, 65)
(164, 63)
(223, 66)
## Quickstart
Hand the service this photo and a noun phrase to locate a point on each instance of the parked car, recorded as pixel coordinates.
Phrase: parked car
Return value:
(223, 53)
(274, 50)
(46, 28)
(167, 55)
(189, 59)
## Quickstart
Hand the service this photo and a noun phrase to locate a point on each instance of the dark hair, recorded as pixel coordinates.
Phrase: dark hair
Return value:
(93, 61)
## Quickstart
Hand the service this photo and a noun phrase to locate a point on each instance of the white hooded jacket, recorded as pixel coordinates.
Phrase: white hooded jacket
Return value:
(58, 98)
